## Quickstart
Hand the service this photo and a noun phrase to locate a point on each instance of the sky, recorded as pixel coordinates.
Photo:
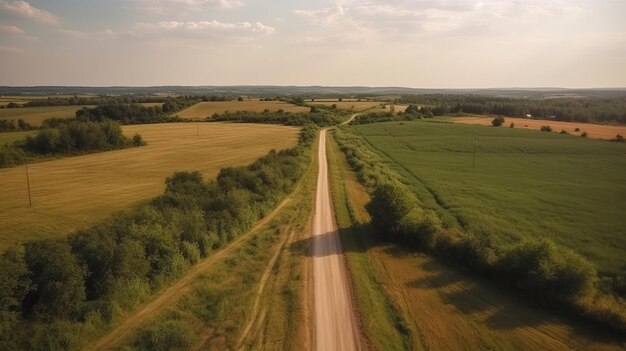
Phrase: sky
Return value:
(407, 43)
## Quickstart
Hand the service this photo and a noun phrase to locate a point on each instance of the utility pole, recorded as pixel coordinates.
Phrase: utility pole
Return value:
(474, 158)
(30, 201)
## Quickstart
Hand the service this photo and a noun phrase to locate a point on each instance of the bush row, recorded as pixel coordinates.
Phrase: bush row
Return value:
(11, 126)
(125, 114)
(55, 293)
(68, 138)
(320, 118)
(537, 266)
(78, 137)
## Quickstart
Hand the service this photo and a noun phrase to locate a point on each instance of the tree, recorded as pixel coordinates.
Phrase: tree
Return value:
(240, 98)
(389, 205)
(498, 121)
(58, 289)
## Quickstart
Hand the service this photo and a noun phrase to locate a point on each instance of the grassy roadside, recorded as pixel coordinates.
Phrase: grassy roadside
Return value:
(225, 308)
(384, 329)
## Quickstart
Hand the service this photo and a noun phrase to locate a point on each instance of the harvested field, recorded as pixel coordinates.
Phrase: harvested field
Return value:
(36, 115)
(447, 311)
(78, 191)
(596, 131)
(332, 100)
(203, 110)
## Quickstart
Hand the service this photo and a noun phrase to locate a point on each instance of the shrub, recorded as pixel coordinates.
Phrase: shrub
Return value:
(512, 125)
(584, 135)
(138, 140)
(420, 228)
(563, 132)
(165, 336)
(546, 128)
(10, 156)
(619, 138)
(498, 121)
(541, 268)
(389, 205)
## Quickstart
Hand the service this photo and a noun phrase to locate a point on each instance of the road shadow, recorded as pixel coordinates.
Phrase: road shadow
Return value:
(359, 238)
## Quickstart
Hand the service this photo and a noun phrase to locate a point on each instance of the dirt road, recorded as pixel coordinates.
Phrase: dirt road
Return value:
(334, 321)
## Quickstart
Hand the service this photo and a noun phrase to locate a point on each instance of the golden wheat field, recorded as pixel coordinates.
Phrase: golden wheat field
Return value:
(36, 115)
(77, 191)
(207, 109)
(595, 131)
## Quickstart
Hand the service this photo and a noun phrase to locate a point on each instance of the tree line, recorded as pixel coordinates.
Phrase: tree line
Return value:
(544, 271)
(69, 138)
(75, 100)
(605, 110)
(11, 126)
(56, 293)
(320, 118)
(137, 114)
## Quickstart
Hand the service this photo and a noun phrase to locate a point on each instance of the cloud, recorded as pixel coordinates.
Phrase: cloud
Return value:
(204, 28)
(169, 6)
(11, 29)
(408, 19)
(25, 10)
(99, 35)
(325, 15)
(9, 49)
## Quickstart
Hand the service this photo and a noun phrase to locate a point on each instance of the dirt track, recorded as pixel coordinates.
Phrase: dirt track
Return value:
(334, 319)
(176, 290)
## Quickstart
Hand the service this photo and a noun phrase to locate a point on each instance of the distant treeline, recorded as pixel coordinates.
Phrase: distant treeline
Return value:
(56, 293)
(411, 113)
(108, 100)
(136, 113)
(320, 118)
(537, 266)
(605, 110)
(70, 138)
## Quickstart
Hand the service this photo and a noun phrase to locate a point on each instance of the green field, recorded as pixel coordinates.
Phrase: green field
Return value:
(569, 189)
(36, 115)
(10, 137)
